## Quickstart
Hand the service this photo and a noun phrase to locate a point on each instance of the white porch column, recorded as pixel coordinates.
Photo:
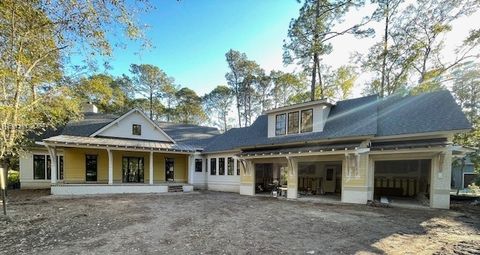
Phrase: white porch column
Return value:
(150, 179)
(110, 167)
(441, 170)
(292, 179)
(191, 168)
(247, 178)
(53, 164)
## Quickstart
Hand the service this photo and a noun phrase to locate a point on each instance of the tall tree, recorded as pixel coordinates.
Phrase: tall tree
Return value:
(287, 88)
(340, 82)
(466, 89)
(263, 86)
(242, 78)
(103, 91)
(37, 37)
(149, 81)
(189, 108)
(385, 11)
(309, 35)
(218, 104)
(168, 94)
(424, 23)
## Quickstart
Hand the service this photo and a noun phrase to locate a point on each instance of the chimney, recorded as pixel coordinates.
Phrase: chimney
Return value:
(90, 108)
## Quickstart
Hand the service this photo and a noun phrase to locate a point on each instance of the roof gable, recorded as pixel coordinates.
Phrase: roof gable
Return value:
(122, 128)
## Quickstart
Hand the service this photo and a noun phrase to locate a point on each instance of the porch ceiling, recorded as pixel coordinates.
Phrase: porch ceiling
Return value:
(304, 149)
(81, 141)
(413, 144)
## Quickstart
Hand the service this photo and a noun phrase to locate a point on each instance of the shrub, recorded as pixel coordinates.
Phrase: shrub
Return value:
(474, 189)
(13, 177)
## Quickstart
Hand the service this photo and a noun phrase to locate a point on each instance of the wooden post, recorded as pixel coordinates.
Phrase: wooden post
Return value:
(3, 187)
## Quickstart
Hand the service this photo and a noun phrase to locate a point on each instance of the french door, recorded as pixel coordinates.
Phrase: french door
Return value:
(91, 168)
(169, 169)
(133, 169)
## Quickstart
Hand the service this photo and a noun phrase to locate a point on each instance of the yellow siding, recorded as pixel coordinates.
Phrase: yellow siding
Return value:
(74, 165)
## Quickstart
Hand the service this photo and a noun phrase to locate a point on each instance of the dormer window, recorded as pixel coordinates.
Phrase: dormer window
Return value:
(280, 124)
(136, 129)
(307, 121)
(293, 122)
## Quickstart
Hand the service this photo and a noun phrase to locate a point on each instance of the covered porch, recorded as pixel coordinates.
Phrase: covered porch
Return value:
(94, 165)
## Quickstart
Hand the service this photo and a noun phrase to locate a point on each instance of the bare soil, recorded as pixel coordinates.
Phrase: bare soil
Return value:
(223, 223)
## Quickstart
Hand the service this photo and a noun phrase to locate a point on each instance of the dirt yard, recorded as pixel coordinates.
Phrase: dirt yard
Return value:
(222, 223)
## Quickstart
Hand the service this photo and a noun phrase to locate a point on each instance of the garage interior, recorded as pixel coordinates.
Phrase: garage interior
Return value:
(402, 181)
(270, 177)
(320, 179)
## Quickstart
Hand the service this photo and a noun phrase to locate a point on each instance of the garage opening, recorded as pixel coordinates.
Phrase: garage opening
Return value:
(402, 181)
(320, 180)
(270, 179)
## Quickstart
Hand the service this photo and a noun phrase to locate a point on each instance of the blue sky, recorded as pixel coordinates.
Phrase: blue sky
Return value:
(190, 38)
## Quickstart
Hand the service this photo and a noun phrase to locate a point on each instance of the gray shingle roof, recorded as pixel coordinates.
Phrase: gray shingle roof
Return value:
(184, 134)
(428, 112)
(189, 134)
(88, 125)
(365, 116)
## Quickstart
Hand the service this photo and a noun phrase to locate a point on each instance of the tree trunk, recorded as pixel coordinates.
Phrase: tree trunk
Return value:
(320, 82)
(315, 54)
(314, 78)
(385, 52)
(151, 105)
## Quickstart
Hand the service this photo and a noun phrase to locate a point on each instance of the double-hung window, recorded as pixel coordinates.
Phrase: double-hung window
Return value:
(198, 165)
(230, 166)
(221, 166)
(280, 124)
(213, 166)
(307, 120)
(293, 122)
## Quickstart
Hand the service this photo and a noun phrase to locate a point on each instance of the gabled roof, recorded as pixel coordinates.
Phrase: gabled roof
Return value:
(428, 112)
(117, 120)
(368, 116)
(185, 134)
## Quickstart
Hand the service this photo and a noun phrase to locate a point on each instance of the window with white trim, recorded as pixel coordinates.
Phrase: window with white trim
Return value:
(280, 124)
(198, 165)
(42, 167)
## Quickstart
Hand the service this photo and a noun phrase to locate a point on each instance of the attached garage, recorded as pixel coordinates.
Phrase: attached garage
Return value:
(402, 180)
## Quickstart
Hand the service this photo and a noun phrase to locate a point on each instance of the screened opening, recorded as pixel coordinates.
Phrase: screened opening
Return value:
(402, 179)
(270, 177)
(320, 179)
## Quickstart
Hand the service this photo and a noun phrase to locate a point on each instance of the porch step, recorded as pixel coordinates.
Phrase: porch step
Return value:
(175, 188)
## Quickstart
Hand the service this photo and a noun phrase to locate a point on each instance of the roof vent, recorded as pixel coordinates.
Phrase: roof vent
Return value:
(90, 108)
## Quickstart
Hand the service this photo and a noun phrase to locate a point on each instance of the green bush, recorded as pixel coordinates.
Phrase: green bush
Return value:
(13, 177)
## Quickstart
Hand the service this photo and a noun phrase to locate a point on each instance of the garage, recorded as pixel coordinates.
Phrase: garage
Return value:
(406, 181)
(270, 177)
(321, 179)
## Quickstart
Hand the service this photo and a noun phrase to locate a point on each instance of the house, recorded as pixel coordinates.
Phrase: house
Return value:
(463, 174)
(353, 150)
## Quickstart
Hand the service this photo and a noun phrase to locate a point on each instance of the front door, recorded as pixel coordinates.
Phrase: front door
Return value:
(133, 170)
(91, 168)
(169, 169)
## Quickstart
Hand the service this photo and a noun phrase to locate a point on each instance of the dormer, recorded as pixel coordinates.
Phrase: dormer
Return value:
(299, 118)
